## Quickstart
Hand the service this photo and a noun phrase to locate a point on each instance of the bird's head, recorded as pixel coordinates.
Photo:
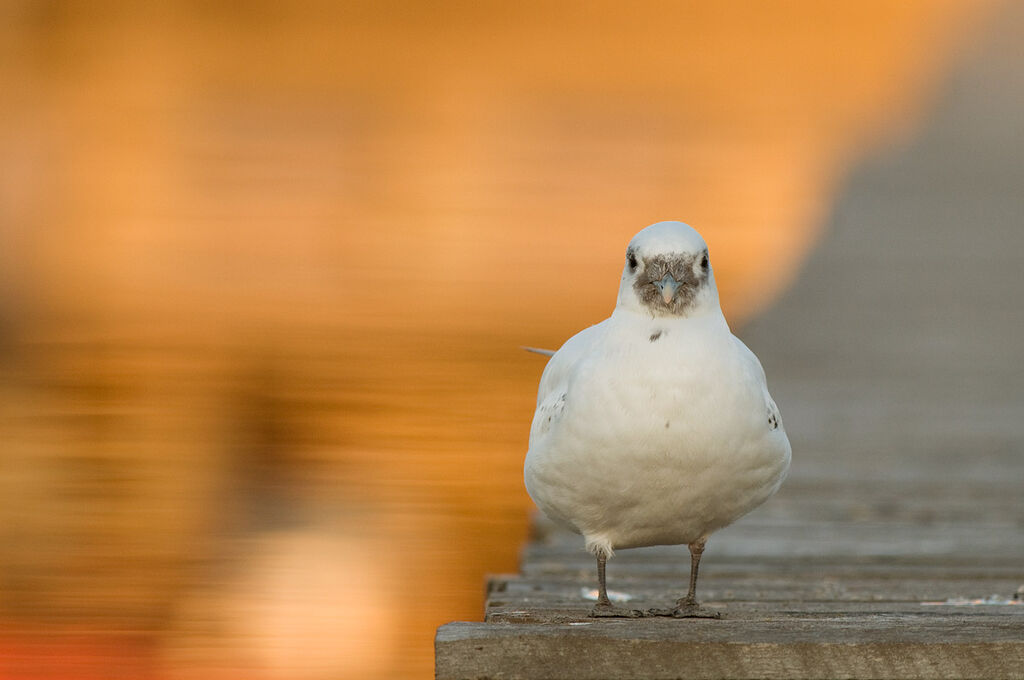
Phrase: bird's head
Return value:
(668, 273)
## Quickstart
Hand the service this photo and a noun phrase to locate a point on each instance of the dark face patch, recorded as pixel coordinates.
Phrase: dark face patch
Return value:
(687, 269)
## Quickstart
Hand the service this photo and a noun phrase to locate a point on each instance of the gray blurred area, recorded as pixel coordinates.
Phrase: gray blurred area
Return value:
(897, 357)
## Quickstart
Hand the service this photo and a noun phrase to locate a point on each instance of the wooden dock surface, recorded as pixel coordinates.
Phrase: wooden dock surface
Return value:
(896, 547)
(803, 595)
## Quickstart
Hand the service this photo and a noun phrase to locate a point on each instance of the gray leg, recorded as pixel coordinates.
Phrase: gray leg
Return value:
(602, 588)
(604, 607)
(696, 550)
(688, 606)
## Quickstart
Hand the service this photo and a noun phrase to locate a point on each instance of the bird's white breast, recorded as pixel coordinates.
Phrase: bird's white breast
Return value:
(657, 433)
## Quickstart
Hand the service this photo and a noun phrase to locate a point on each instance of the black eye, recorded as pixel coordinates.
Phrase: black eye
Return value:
(704, 263)
(631, 258)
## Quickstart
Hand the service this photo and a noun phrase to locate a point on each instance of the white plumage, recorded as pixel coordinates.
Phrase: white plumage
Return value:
(655, 426)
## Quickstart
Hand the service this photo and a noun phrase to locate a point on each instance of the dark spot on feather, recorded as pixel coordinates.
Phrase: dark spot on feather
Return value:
(655, 335)
(666, 424)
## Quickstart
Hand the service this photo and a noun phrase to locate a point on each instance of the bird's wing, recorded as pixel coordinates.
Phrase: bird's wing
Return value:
(772, 414)
(561, 365)
(554, 382)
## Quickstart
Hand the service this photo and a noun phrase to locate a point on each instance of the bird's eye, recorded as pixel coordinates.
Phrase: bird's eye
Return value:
(631, 258)
(704, 263)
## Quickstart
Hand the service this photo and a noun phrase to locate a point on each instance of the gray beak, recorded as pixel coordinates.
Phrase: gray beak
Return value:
(668, 287)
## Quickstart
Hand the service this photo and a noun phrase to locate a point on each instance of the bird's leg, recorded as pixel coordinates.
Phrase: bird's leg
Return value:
(696, 550)
(688, 606)
(604, 606)
(602, 587)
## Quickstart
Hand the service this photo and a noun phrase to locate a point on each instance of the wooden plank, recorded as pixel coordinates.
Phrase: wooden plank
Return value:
(563, 595)
(784, 613)
(869, 645)
(773, 539)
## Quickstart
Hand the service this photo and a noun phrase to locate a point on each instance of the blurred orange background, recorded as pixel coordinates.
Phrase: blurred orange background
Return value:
(264, 269)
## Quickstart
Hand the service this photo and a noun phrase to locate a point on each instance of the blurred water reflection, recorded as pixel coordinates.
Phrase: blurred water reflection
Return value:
(263, 271)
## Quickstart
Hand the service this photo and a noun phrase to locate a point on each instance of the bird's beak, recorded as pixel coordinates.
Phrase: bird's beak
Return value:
(668, 287)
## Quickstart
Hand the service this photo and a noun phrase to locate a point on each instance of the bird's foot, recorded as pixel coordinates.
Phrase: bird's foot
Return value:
(608, 610)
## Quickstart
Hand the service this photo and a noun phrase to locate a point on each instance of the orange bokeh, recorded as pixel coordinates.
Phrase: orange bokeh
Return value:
(264, 270)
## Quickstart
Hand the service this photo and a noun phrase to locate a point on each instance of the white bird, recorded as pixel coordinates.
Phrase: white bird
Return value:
(655, 426)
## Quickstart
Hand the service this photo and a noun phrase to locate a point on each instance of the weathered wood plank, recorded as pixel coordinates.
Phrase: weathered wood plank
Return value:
(868, 645)
(782, 612)
(515, 595)
(798, 546)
